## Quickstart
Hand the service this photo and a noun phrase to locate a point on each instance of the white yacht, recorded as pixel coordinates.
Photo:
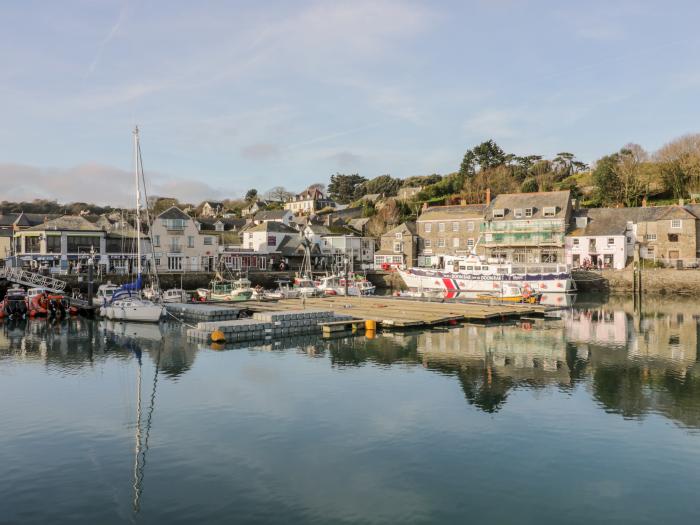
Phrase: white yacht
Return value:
(127, 304)
(474, 274)
(356, 285)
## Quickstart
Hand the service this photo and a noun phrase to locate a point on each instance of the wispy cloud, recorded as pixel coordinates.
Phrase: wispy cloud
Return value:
(108, 38)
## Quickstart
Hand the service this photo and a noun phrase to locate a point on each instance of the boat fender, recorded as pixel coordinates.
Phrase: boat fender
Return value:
(218, 336)
(527, 326)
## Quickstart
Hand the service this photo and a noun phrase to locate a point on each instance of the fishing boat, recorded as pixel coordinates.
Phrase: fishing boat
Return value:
(127, 303)
(475, 274)
(336, 285)
(285, 290)
(232, 290)
(174, 295)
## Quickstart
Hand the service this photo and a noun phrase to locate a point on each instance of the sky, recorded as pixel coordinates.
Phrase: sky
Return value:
(232, 95)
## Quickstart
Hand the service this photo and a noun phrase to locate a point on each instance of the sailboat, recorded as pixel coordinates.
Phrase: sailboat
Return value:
(127, 303)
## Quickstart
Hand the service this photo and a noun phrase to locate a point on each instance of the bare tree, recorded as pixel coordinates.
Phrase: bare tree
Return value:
(680, 164)
(633, 184)
(278, 193)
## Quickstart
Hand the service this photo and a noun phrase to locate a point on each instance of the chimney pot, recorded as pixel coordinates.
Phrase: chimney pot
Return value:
(488, 195)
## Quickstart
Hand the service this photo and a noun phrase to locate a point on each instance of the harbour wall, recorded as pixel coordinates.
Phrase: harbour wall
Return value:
(662, 281)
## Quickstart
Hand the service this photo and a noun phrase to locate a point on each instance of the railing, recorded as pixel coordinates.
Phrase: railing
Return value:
(533, 239)
(523, 226)
(35, 280)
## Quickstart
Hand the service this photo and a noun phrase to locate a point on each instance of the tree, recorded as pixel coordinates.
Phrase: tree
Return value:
(251, 195)
(529, 185)
(486, 155)
(278, 193)
(384, 184)
(629, 173)
(318, 186)
(343, 188)
(606, 180)
(680, 165)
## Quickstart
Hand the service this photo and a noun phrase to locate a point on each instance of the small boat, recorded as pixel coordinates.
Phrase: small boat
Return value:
(14, 305)
(512, 294)
(336, 285)
(175, 295)
(104, 294)
(133, 308)
(285, 290)
(234, 290)
(152, 292)
(306, 286)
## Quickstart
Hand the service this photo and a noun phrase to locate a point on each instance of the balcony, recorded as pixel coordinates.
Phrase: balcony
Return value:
(525, 226)
(524, 239)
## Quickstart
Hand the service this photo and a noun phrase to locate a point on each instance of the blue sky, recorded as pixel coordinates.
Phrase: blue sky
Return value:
(233, 95)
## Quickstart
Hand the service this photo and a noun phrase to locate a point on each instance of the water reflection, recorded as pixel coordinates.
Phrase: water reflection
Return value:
(634, 364)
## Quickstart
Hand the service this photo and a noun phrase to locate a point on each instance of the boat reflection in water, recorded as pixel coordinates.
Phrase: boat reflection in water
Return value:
(384, 410)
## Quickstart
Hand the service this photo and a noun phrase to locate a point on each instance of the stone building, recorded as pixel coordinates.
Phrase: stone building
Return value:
(398, 247)
(527, 228)
(308, 201)
(448, 230)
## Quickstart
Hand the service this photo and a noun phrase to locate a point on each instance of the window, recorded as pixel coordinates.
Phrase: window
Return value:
(650, 251)
(428, 227)
(399, 235)
(31, 244)
(629, 240)
(455, 226)
(575, 242)
(470, 226)
(549, 257)
(676, 223)
(470, 243)
(190, 241)
(175, 245)
(499, 213)
(455, 242)
(651, 236)
(672, 237)
(207, 241)
(157, 261)
(174, 224)
(611, 241)
(82, 244)
(441, 242)
(156, 240)
(528, 212)
(549, 211)
(271, 240)
(441, 227)
(53, 244)
(428, 243)
(518, 213)
(174, 263)
(219, 226)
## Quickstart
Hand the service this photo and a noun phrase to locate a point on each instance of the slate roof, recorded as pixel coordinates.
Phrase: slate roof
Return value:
(509, 202)
(173, 213)
(271, 215)
(276, 227)
(469, 211)
(409, 227)
(8, 219)
(67, 222)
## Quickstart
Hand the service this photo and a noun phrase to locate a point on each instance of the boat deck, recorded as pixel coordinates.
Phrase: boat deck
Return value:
(390, 312)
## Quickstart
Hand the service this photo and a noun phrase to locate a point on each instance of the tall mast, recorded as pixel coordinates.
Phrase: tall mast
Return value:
(138, 201)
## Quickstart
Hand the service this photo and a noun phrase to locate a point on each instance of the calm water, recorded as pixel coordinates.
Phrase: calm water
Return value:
(594, 417)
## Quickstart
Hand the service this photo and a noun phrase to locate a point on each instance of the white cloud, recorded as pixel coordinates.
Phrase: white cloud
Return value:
(95, 183)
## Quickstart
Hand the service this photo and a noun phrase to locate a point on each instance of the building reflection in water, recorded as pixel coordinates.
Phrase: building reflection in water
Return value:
(634, 364)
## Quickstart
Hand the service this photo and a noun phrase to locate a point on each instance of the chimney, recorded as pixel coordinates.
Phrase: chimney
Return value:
(488, 195)
(644, 202)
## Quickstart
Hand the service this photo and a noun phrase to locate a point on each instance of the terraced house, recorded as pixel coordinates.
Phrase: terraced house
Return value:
(448, 230)
(527, 228)
(178, 245)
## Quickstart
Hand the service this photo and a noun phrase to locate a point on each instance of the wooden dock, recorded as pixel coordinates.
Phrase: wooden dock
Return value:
(389, 312)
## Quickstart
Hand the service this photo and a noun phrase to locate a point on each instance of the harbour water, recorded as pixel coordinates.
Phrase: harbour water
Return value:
(593, 417)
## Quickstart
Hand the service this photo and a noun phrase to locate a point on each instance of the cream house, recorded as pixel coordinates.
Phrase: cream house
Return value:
(179, 246)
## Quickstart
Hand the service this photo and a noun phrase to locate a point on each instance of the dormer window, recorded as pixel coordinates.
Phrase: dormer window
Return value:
(518, 213)
(528, 212)
(549, 211)
(581, 222)
(499, 213)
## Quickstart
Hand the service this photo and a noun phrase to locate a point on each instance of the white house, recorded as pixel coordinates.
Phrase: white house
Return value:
(358, 250)
(179, 245)
(602, 238)
(308, 201)
(266, 237)
(283, 216)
